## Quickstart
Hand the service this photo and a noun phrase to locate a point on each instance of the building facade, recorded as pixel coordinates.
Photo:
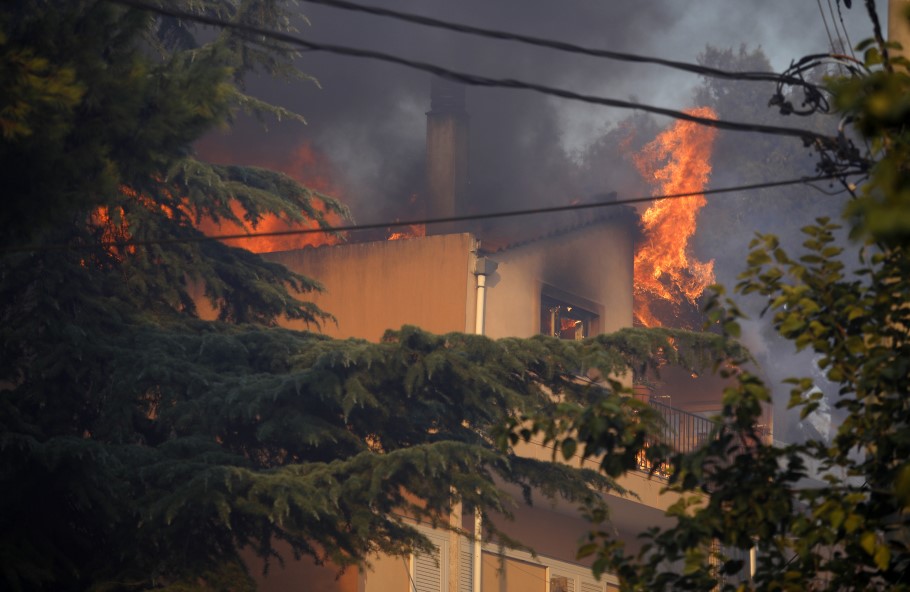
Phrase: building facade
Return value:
(571, 284)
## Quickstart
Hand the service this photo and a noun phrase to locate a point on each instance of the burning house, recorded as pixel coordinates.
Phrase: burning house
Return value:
(586, 276)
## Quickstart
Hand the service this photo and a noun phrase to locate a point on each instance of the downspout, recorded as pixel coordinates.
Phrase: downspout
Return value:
(481, 303)
(753, 562)
(476, 556)
(482, 268)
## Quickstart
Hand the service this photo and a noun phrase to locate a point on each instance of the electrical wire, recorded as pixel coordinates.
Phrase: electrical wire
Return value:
(482, 81)
(407, 570)
(430, 221)
(843, 41)
(821, 11)
(826, 192)
(841, 44)
(843, 26)
(554, 44)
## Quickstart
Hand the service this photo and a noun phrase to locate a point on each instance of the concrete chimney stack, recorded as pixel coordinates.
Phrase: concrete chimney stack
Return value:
(447, 153)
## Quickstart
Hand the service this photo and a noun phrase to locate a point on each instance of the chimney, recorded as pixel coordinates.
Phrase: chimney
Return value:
(447, 153)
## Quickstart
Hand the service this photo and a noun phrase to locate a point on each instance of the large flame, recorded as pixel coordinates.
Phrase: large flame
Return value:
(676, 161)
(305, 165)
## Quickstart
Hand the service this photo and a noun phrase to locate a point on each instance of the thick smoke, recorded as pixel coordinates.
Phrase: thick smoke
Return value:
(368, 117)
(527, 150)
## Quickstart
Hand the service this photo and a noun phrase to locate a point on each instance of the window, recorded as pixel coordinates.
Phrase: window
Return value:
(564, 320)
(561, 584)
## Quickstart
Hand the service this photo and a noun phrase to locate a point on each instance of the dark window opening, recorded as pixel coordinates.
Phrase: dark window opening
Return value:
(563, 320)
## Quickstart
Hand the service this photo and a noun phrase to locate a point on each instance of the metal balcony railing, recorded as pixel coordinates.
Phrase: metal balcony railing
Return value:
(684, 432)
(681, 430)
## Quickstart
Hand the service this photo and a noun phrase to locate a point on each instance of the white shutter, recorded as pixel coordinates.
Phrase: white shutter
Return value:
(465, 566)
(591, 586)
(428, 572)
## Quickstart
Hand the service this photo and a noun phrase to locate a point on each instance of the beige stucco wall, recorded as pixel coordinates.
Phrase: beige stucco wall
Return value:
(387, 574)
(593, 264)
(555, 529)
(504, 574)
(371, 287)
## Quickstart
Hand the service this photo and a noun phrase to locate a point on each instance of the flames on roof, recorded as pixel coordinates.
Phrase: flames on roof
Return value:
(667, 276)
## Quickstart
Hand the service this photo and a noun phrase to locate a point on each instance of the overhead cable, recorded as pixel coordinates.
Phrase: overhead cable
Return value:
(554, 44)
(808, 136)
(821, 11)
(843, 26)
(430, 221)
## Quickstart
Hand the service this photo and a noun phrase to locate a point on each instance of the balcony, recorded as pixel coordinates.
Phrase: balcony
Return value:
(684, 432)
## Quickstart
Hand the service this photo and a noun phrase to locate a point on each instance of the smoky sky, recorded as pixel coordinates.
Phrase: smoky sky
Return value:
(368, 117)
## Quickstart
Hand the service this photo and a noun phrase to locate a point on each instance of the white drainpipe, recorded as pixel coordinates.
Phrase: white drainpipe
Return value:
(753, 563)
(481, 304)
(482, 268)
(476, 555)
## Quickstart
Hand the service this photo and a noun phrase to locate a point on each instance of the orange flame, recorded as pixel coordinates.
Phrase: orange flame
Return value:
(311, 169)
(676, 161)
(111, 231)
(113, 223)
(305, 165)
(410, 231)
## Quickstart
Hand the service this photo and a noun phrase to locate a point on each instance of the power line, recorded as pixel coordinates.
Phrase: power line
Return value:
(843, 26)
(825, 21)
(843, 41)
(840, 39)
(482, 81)
(431, 221)
(557, 45)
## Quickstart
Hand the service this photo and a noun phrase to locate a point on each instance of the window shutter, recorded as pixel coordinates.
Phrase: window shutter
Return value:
(428, 572)
(427, 575)
(465, 566)
(589, 586)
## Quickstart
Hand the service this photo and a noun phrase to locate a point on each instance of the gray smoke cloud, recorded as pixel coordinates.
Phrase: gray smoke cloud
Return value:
(368, 117)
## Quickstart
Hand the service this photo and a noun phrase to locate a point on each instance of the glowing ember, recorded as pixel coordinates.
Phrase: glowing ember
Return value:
(114, 228)
(112, 221)
(676, 161)
(410, 231)
(306, 166)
